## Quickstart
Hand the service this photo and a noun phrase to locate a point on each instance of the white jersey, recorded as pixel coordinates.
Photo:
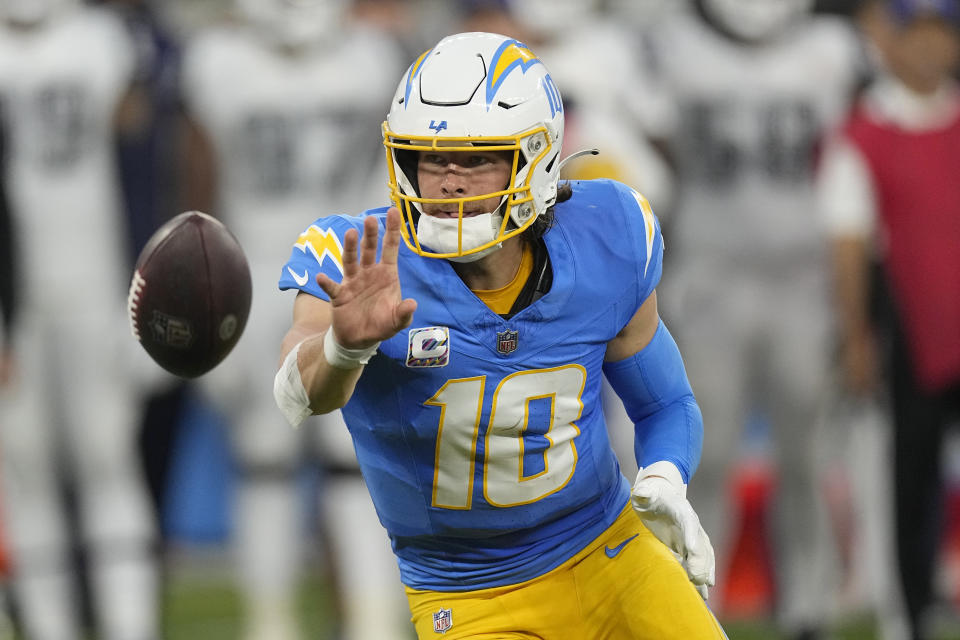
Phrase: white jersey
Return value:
(745, 126)
(60, 86)
(605, 110)
(296, 137)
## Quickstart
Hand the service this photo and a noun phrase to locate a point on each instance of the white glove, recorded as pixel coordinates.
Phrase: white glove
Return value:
(659, 497)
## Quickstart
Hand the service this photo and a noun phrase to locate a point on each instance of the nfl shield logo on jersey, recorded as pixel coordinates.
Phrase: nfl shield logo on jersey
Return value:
(442, 620)
(506, 341)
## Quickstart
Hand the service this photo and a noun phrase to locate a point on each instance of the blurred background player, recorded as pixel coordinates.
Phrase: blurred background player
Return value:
(601, 108)
(71, 404)
(753, 86)
(890, 196)
(147, 152)
(285, 106)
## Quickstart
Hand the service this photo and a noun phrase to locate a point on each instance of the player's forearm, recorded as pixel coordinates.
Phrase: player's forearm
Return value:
(657, 396)
(307, 383)
(673, 433)
(328, 387)
(851, 285)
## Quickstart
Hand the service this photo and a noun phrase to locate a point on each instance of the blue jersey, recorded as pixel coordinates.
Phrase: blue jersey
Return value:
(482, 440)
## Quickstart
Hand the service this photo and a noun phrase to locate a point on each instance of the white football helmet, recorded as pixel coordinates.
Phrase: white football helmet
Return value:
(30, 13)
(295, 23)
(477, 90)
(755, 20)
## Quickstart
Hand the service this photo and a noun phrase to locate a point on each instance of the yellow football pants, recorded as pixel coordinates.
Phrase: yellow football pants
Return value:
(626, 585)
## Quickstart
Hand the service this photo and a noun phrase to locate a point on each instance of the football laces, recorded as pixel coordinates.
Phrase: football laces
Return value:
(133, 302)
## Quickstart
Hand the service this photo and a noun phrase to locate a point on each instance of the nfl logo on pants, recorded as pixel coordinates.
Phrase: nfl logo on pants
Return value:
(442, 620)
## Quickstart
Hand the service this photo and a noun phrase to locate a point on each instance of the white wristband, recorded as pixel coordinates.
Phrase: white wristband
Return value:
(342, 358)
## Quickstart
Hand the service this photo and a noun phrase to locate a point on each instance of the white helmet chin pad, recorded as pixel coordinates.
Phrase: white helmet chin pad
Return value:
(755, 20)
(477, 90)
(458, 235)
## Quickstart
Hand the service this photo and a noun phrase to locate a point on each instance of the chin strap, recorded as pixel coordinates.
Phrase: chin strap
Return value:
(577, 154)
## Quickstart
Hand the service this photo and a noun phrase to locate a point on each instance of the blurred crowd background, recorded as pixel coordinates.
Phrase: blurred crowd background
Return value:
(767, 134)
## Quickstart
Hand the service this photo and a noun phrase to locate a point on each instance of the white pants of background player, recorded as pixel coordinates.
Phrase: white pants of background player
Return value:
(758, 340)
(69, 419)
(269, 524)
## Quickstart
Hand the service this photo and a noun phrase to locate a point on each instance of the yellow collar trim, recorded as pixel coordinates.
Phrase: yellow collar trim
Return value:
(501, 300)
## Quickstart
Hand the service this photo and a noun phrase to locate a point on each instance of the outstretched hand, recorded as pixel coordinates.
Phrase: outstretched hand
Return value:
(367, 305)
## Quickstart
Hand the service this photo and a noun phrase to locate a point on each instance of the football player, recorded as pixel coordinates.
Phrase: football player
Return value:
(72, 401)
(474, 403)
(753, 87)
(284, 106)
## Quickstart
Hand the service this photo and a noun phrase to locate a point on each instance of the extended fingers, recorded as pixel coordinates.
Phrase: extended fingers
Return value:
(391, 237)
(350, 241)
(329, 287)
(368, 250)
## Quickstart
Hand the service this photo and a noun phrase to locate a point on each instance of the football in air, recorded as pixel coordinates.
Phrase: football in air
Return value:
(190, 294)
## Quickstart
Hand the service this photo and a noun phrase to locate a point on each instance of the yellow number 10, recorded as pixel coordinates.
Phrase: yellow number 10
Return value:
(504, 482)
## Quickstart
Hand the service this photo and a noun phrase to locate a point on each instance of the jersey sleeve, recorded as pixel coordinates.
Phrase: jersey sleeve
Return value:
(644, 232)
(846, 196)
(319, 249)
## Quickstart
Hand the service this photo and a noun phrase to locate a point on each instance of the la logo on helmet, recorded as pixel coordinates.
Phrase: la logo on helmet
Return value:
(438, 126)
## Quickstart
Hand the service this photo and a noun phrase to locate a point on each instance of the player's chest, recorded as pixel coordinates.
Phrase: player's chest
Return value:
(455, 331)
(493, 384)
(472, 341)
(64, 83)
